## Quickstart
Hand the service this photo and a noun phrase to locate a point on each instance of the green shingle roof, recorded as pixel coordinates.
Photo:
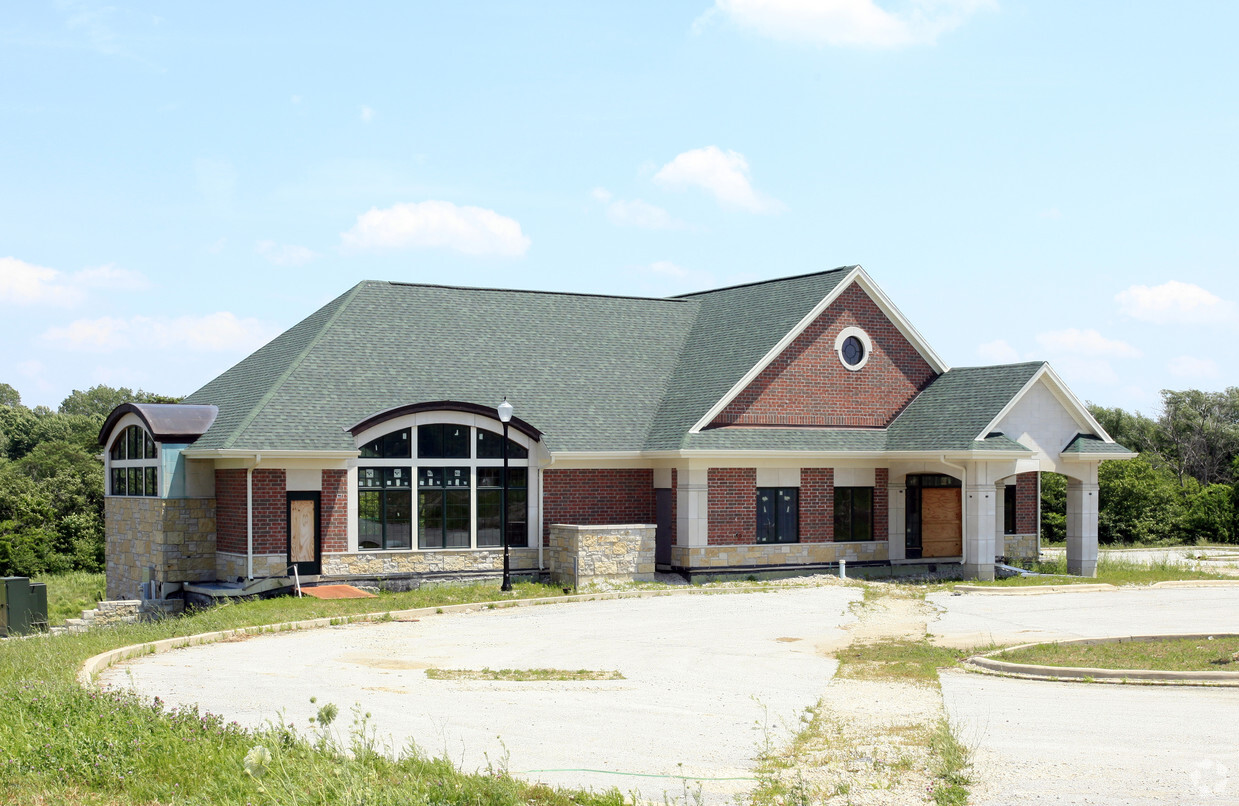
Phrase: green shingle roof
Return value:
(1087, 444)
(594, 373)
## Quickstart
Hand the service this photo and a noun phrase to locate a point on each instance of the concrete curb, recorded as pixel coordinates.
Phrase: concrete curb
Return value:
(1034, 590)
(1197, 583)
(96, 664)
(988, 664)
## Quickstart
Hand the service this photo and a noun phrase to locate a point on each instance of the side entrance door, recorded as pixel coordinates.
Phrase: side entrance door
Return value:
(304, 533)
(934, 512)
(662, 534)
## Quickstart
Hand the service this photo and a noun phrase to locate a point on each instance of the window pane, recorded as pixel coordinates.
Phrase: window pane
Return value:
(430, 441)
(118, 447)
(135, 480)
(133, 442)
(456, 477)
(490, 445)
(397, 507)
(1008, 509)
(455, 442)
(765, 515)
(457, 519)
(397, 477)
(488, 516)
(789, 515)
(517, 477)
(369, 477)
(518, 517)
(843, 513)
(148, 446)
(152, 481)
(430, 519)
(369, 520)
(430, 477)
(862, 513)
(118, 481)
(490, 477)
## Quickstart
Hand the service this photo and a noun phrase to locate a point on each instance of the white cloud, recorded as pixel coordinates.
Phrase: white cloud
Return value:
(850, 22)
(998, 351)
(367, 114)
(1174, 302)
(471, 230)
(1085, 343)
(1188, 366)
(24, 283)
(285, 254)
(110, 277)
(216, 332)
(635, 213)
(723, 173)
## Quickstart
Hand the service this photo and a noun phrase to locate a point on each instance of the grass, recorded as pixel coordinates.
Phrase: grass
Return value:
(63, 744)
(904, 661)
(70, 593)
(1175, 655)
(1111, 570)
(521, 675)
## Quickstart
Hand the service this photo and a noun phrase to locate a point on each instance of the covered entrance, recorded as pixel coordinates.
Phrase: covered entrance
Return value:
(304, 532)
(934, 520)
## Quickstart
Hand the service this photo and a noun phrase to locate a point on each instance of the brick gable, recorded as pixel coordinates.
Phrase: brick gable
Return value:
(808, 385)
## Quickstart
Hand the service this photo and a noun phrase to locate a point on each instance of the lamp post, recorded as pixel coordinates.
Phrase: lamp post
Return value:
(505, 415)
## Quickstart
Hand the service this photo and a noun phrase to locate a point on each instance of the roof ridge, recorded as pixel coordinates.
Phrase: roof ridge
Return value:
(523, 291)
(763, 282)
(1002, 366)
(292, 366)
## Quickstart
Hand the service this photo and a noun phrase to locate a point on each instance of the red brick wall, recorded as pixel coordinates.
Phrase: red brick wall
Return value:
(596, 497)
(881, 510)
(270, 511)
(808, 385)
(230, 511)
(334, 510)
(1026, 503)
(817, 504)
(732, 493)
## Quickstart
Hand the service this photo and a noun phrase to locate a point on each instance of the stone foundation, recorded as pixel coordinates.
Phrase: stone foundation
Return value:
(388, 563)
(165, 540)
(593, 556)
(1020, 547)
(776, 554)
(229, 567)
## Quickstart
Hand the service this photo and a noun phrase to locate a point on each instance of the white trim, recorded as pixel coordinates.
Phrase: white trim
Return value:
(1095, 457)
(1060, 391)
(858, 276)
(865, 342)
(235, 453)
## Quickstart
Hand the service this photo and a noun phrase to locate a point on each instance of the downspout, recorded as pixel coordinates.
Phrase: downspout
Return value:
(963, 507)
(249, 517)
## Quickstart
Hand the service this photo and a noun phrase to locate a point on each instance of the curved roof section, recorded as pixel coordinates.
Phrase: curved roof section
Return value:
(167, 422)
(381, 417)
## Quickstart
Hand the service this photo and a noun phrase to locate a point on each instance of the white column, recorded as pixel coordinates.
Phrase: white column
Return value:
(896, 509)
(692, 527)
(1000, 501)
(979, 531)
(1081, 528)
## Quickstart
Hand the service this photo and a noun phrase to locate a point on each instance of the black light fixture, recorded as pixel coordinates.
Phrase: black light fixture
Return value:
(505, 415)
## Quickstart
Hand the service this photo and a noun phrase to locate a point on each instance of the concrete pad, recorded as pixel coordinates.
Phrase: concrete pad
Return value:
(708, 680)
(1053, 744)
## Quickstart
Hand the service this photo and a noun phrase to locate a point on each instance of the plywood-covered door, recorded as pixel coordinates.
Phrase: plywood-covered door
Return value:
(942, 533)
(303, 532)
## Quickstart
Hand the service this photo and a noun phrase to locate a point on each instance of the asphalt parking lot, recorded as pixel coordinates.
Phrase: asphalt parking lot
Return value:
(709, 679)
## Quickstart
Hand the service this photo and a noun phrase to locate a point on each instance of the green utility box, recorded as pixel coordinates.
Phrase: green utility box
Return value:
(23, 606)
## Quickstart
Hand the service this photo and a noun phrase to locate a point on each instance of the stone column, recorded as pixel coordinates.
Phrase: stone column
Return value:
(979, 531)
(896, 496)
(692, 519)
(1081, 528)
(1000, 512)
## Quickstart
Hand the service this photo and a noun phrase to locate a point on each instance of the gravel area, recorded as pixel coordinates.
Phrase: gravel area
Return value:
(708, 680)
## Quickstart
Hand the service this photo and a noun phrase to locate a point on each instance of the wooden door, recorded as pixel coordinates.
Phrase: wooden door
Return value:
(942, 533)
(303, 535)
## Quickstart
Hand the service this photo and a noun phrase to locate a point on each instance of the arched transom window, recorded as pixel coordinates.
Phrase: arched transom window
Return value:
(134, 463)
(440, 484)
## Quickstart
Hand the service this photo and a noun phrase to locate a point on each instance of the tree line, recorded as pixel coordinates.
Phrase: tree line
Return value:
(1182, 488)
(51, 480)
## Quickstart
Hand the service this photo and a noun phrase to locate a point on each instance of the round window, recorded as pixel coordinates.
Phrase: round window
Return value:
(853, 351)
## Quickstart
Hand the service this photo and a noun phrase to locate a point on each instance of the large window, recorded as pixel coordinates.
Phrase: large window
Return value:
(778, 515)
(853, 513)
(133, 460)
(459, 489)
(1008, 509)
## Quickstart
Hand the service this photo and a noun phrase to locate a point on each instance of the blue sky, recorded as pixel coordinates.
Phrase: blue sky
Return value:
(1025, 180)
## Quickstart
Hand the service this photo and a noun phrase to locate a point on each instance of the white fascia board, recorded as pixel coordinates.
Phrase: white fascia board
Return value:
(858, 276)
(1064, 396)
(901, 456)
(1075, 458)
(236, 453)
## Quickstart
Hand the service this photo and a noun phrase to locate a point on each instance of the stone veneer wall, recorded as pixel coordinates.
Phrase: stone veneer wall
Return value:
(1020, 547)
(587, 556)
(387, 563)
(774, 554)
(175, 537)
(230, 567)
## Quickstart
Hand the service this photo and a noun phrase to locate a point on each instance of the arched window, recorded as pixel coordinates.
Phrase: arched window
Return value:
(133, 460)
(455, 502)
